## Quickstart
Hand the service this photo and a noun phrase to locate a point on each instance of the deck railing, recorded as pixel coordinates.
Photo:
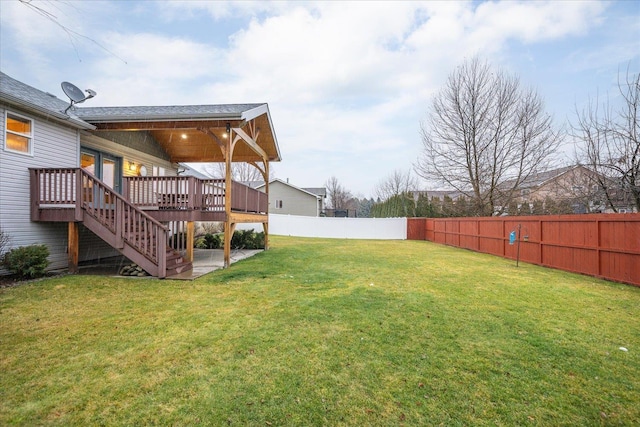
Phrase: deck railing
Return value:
(247, 199)
(53, 187)
(78, 189)
(190, 193)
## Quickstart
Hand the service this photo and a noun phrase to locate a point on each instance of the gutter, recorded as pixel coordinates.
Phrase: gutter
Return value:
(60, 116)
(159, 118)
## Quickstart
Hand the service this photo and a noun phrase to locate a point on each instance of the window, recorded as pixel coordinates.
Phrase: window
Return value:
(278, 204)
(19, 134)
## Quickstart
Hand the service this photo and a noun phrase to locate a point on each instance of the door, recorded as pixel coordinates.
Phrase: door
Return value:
(107, 168)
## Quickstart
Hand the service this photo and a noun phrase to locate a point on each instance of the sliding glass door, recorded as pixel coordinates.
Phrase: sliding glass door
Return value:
(107, 168)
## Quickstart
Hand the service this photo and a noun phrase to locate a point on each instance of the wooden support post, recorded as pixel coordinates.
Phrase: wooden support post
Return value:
(227, 200)
(229, 228)
(73, 246)
(265, 226)
(227, 243)
(190, 235)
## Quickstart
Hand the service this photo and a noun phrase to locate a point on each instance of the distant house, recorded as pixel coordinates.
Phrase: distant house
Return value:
(437, 194)
(287, 199)
(571, 189)
(92, 182)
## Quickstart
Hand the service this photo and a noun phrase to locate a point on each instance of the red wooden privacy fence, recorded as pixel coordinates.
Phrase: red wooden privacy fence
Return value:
(601, 245)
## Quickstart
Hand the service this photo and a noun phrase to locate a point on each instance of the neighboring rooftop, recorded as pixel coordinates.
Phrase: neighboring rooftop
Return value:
(315, 191)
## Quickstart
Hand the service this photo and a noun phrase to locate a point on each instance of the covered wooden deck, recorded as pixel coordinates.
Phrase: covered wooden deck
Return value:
(137, 216)
(195, 134)
(149, 209)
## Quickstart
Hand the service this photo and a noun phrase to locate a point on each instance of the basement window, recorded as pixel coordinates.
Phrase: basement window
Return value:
(19, 134)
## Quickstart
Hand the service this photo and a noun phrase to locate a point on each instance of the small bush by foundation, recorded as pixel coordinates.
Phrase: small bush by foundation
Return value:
(27, 261)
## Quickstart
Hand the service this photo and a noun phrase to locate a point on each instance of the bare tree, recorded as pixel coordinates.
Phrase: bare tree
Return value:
(240, 171)
(610, 144)
(5, 241)
(397, 183)
(399, 187)
(484, 136)
(339, 197)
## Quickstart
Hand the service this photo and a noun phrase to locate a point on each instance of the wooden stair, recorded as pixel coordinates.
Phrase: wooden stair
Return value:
(176, 264)
(129, 230)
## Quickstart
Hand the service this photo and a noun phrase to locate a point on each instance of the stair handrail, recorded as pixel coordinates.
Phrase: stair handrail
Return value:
(114, 218)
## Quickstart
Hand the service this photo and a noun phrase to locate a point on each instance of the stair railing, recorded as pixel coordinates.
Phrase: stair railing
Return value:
(129, 224)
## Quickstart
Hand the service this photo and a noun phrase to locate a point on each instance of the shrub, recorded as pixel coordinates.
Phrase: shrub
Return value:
(212, 241)
(27, 261)
(241, 239)
(178, 241)
(247, 239)
(199, 243)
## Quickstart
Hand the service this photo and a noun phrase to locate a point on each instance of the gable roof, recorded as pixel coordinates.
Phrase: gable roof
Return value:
(18, 94)
(260, 184)
(172, 112)
(318, 191)
(543, 178)
(194, 133)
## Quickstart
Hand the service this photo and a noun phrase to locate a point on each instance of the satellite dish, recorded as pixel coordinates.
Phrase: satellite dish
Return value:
(75, 94)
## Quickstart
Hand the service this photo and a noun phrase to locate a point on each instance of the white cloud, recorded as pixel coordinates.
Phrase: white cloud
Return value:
(347, 82)
(219, 9)
(159, 70)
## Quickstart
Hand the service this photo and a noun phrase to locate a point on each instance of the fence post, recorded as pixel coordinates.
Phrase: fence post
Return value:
(598, 246)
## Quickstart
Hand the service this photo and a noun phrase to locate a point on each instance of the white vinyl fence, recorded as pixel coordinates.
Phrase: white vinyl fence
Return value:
(340, 228)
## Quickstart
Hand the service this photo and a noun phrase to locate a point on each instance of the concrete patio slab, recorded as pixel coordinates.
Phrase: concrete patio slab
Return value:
(207, 260)
(204, 261)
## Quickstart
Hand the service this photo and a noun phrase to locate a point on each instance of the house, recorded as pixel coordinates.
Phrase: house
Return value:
(571, 189)
(565, 190)
(437, 194)
(91, 182)
(287, 199)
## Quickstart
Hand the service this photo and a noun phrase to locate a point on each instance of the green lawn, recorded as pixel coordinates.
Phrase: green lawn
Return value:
(325, 333)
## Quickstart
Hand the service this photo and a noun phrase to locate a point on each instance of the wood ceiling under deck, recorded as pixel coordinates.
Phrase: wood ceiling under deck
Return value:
(198, 141)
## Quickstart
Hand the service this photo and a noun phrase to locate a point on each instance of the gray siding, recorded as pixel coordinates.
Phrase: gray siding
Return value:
(53, 146)
(56, 145)
(294, 201)
(129, 152)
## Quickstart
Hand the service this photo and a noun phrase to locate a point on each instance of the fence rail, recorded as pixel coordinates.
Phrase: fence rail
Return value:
(600, 245)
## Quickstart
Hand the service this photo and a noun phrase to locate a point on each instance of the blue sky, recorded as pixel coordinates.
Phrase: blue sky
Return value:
(347, 82)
